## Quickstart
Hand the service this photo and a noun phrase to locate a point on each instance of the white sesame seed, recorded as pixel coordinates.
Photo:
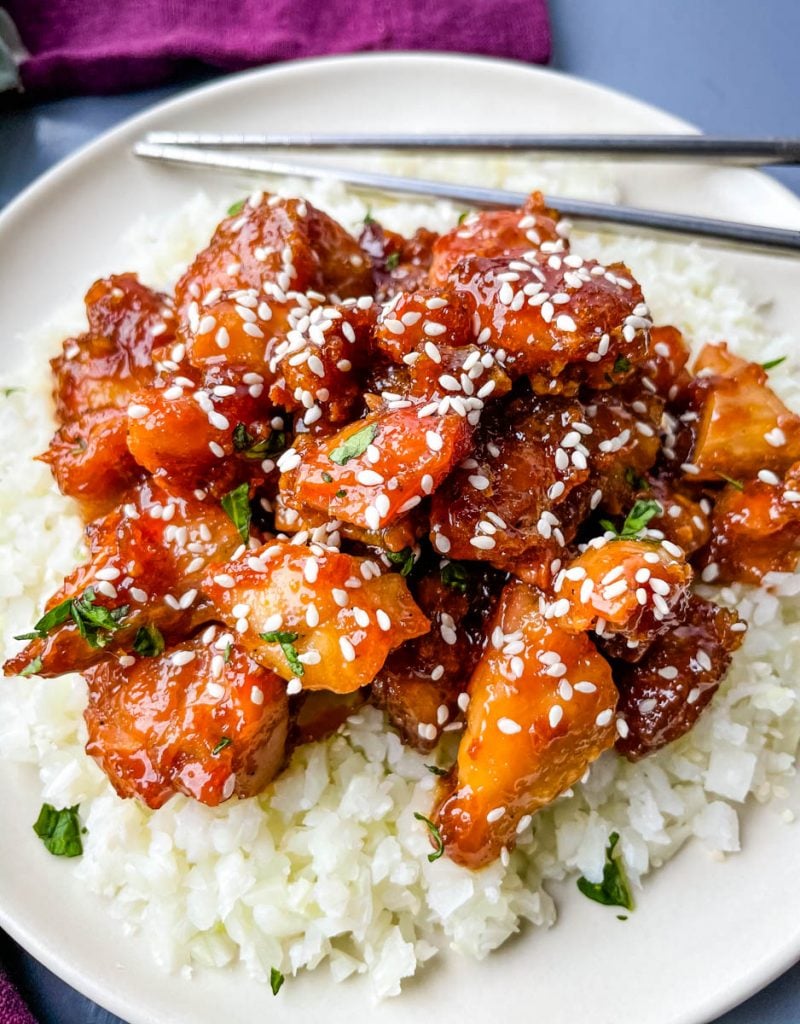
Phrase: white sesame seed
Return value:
(508, 726)
(347, 649)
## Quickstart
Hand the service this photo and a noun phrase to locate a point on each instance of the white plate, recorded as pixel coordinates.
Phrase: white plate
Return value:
(705, 935)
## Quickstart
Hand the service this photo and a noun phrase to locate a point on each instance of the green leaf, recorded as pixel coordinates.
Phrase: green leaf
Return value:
(149, 641)
(236, 505)
(50, 620)
(434, 769)
(286, 641)
(435, 833)
(462, 217)
(738, 484)
(327, 478)
(621, 365)
(236, 208)
(392, 261)
(368, 218)
(638, 483)
(636, 520)
(772, 363)
(341, 493)
(614, 890)
(226, 656)
(246, 443)
(60, 831)
(403, 559)
(223, 743)
(33, 668)
(455, 575)
(10, 391)
(276, 980)
(355, 445)
(95, 622)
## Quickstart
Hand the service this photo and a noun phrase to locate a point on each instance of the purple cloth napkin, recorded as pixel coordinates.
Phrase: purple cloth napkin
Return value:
(102, 46)
(12, 1009)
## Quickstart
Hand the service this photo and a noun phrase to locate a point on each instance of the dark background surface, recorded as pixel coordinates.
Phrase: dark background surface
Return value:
(729, 66)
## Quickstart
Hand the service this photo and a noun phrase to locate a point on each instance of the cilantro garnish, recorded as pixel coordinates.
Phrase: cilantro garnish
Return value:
(636, 520)
(236, 505)
(632, 479)
(327, 478)
(435, 833)
(729, 480)
(462, 217)
(454, 575)
(95, 622)
(223, 743)
(251, 448)
(276, 980)
(403, 559)
(10, 391)
(434, 769)
(286, 641)
(368, 218)
(33, 668)
(149, 641)
(614, 890)
(392, 261)
(622, 364)
(226, 656)
(355, 445)
(236, 208)
(60, 830)
(772, 363)
(341, 493)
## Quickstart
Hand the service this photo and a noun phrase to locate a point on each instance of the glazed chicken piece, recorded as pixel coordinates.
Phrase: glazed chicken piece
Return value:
(94, 379)
(276, 246)
(562, 321)
(742, 426)
(541, 710)
(755, 529)
(376, 469)
(627, 591)
(321, 619)
(398, 264)
(498, 233)
(423, 684)
(425, 317)
(663, 695)
(234, 328)
(201, 719)
(538, 468)
(145, 564)
(683, 521)
(664, 370)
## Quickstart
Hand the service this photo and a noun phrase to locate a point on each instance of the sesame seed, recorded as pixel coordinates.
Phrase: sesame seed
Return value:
(482, 543)
(182, 657)
(347, 649)
(495, 814)
(508, 726)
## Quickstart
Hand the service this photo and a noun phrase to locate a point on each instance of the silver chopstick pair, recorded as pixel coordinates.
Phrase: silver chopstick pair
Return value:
(233, 152)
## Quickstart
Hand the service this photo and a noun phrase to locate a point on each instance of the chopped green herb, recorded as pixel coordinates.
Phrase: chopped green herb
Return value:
(636, 520)
(614, 890)
(327, 478)
(437, 836)
(392, 261)
(33, 668)
(368, 218)
(462, 217)
(355, 445)
(244, 442)
(226, 656)
(95, 623)
(638, 483)
(772, 363)
(622, 364)
(341, 493)
(149, 641)
(622, 917)
(434, 769)
(60, 831)
(403, 559)
(286, 641)
(236, 505)
(236, 208)
(276, 980)
(456, 576)
(223, 743)
(10, 391)
(729, 480)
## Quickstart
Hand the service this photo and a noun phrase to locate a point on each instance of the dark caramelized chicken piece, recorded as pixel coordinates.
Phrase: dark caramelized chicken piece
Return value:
(628, 591)
(146, 556)
(755, 529)
(497, 233)
(276, 245)
(415, 318)
(329, 619)
(398, 264)
(742, 427)
(541, 710)
(201, 719)
(663, 695)
(422, 681)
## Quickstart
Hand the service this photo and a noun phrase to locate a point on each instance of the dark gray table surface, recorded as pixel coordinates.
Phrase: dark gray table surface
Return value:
(729, 66)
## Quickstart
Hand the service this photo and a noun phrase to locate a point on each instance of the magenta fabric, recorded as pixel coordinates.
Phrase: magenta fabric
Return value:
(109, 45)
(12, 1009)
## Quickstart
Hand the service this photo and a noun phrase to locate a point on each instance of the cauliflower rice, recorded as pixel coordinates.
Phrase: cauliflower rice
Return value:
(329, 864)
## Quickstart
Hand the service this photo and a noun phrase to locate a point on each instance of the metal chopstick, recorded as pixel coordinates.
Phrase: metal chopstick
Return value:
(743, 152)
(757, 237)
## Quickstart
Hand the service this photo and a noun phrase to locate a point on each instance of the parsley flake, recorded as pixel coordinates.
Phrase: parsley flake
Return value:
(327, 478)
(236, 208)
(404, 560)
(60, 830)
(632, 479)
(355, 445)
(276, 980)
(286, 641)
(10, 391)
(95, 622)
(614, 890)
(392, 261)
(435, 833)
(434, 769)
(622, 364)
(223, 743)
(341, 493)
(226, 655)
(33, 668)
(149, 641)
(729, 480)
(636, 520)
(253, 448)
(236, 505)
(368, 218)
(462, 217)
(454, 575)
(772, 363)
